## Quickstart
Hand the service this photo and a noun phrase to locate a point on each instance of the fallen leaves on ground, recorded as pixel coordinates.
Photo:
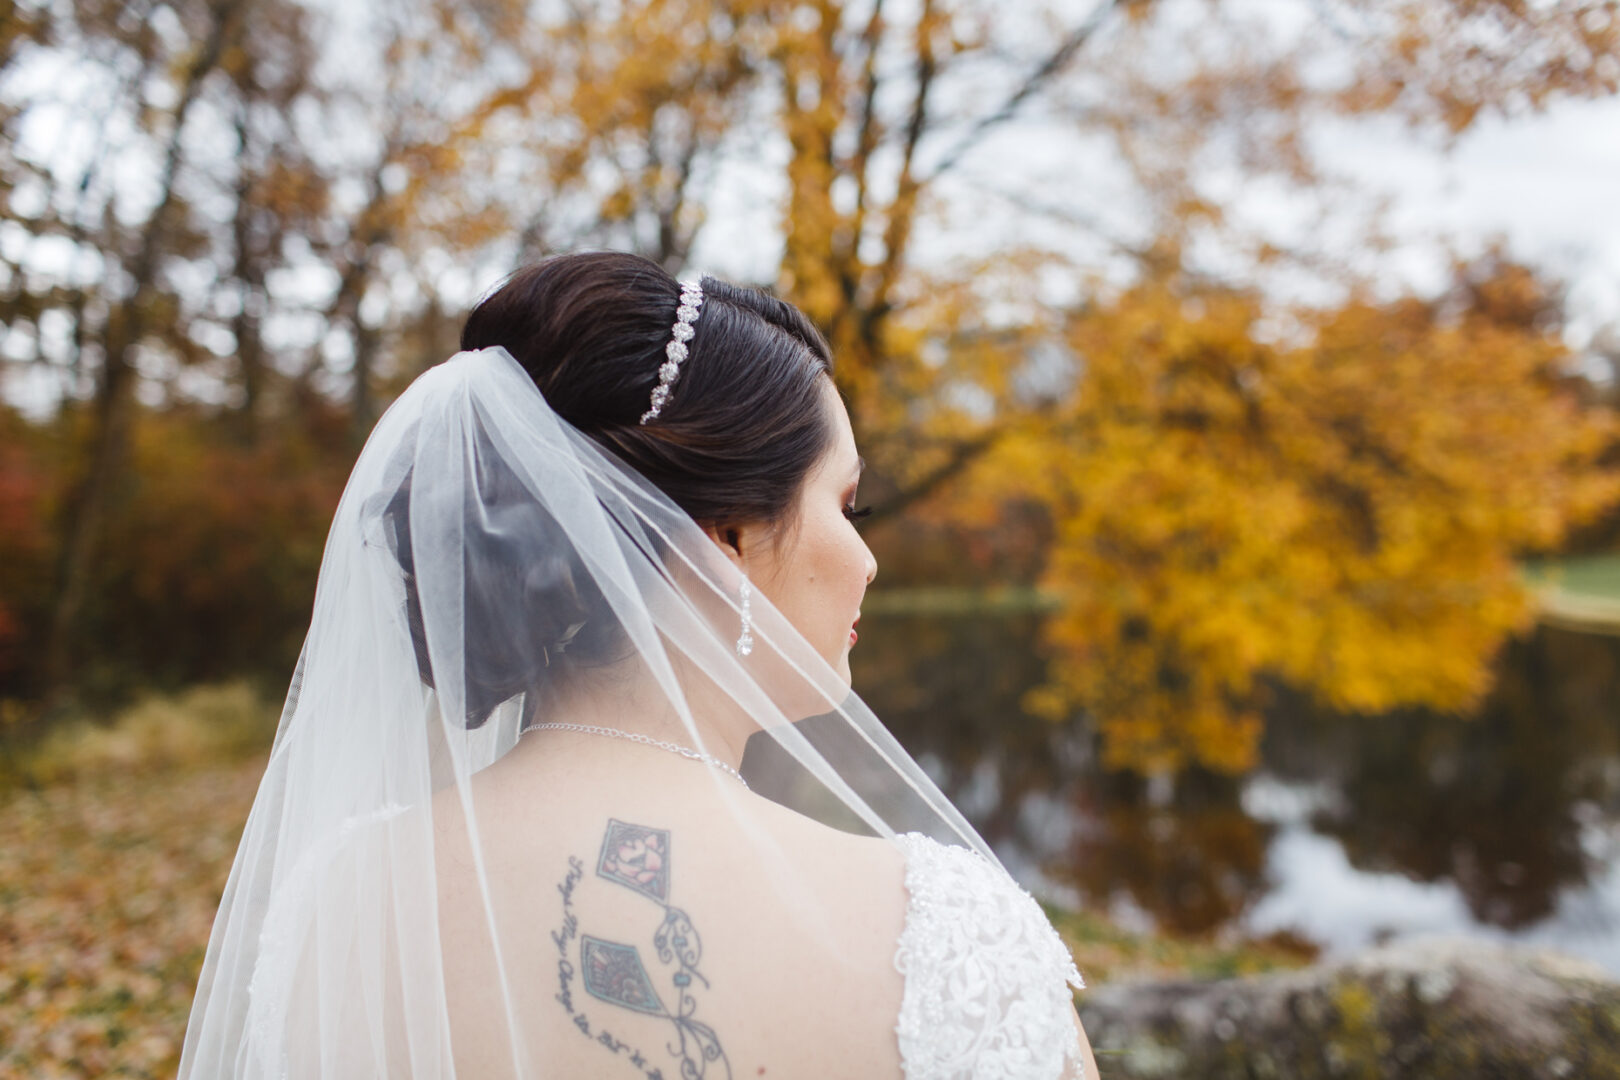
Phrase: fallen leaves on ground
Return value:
(108, 888)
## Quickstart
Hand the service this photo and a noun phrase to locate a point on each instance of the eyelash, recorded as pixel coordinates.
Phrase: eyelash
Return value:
(855, 515)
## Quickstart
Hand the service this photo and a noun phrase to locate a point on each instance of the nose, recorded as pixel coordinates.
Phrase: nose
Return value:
(871, 564)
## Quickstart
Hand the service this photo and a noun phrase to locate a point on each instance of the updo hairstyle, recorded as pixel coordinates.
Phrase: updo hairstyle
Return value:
(734, 444)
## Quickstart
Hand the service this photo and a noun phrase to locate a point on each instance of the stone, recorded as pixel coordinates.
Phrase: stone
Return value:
(1437, 1010)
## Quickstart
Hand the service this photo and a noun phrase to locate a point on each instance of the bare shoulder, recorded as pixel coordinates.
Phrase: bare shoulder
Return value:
(864, 866)
(810, 933)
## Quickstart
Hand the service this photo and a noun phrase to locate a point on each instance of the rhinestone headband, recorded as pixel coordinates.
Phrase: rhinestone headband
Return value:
(685, 315)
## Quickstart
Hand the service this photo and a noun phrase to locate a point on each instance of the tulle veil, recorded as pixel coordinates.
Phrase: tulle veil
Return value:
(423, 662)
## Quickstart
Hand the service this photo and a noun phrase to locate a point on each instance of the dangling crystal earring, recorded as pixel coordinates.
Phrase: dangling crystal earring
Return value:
(745, 643)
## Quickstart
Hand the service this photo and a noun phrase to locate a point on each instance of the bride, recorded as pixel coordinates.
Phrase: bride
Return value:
(570, 781)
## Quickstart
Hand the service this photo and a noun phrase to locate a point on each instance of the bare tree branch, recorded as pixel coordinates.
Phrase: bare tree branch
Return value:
(866, 139)
(87, 505)
(1044, 73)
(960, 457)
(897, 232)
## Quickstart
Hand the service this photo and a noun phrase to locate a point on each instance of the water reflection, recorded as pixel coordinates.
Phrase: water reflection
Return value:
(1493, 802)
(1498, 810)
(1193, 866)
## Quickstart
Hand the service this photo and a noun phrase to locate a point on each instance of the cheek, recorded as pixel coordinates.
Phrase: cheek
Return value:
(826, 580)
(820, 591)
(845, 582)
(842, 559)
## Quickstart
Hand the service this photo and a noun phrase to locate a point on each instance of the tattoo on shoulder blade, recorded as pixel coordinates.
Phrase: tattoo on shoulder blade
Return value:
(638, 857)
(614, 973)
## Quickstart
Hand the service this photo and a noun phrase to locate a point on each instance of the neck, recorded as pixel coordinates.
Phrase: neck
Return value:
(638, 705)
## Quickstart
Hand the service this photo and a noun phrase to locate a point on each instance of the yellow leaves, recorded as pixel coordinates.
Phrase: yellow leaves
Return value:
(817, 91)
(1451, 63)
(1342, 515)
(618, 205)
(625, 105)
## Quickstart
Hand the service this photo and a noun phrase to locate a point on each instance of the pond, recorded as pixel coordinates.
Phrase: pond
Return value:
(1353, 830)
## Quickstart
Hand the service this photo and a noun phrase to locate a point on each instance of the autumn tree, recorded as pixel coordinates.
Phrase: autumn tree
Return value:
(1339, 511)
(1240, 491)
(1044, 245)
(167, 163)
(142, 236)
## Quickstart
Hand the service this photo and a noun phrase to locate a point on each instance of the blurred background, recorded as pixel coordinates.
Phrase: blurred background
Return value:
(1237, 378)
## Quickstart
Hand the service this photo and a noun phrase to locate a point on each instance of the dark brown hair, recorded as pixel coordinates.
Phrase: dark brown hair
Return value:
(745, 422)
(743, 428)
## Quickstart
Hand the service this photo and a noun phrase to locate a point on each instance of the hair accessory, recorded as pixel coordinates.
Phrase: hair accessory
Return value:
(745, 642)
(685, 315)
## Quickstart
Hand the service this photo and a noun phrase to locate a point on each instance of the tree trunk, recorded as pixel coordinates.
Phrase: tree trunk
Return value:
(249, 274)
(86, 506)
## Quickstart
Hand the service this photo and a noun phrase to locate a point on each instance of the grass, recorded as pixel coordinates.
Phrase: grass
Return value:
(1581, 594)
(1593, 576)
(204, 726)
(1105, 952)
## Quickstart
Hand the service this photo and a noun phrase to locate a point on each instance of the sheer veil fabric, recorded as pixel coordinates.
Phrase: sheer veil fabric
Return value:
(425, 889)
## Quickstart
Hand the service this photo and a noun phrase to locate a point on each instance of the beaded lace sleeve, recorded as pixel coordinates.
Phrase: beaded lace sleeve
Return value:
(986, 976)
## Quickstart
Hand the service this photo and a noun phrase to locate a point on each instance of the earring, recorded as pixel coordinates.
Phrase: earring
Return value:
(745, 643)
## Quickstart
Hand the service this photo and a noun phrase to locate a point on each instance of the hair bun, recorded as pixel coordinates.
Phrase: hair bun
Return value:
(528, 621)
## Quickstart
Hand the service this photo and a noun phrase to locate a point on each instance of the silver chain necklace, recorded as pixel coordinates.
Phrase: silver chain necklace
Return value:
(645, 740)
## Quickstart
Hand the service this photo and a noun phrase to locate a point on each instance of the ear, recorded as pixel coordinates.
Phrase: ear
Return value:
(728, 539)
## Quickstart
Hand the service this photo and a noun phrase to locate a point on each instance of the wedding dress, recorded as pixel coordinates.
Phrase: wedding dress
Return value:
(985, 974)
(423, 891)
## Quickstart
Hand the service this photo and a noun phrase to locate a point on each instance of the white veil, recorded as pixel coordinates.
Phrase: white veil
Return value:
(399, 907)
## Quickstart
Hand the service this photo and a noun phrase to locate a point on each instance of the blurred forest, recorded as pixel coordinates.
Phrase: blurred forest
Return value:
(1083, 368)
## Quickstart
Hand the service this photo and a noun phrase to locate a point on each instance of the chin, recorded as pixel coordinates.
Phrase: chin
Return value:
(842, 668)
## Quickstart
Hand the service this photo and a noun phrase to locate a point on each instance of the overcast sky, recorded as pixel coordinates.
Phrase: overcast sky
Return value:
(1550, 184)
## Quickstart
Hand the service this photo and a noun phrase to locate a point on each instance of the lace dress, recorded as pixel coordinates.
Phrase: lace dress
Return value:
(986, 976)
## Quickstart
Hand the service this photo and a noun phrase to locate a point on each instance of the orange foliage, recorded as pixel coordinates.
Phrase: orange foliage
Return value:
(208, 560)
(28, 479)
(214, 554)
(1341, 513)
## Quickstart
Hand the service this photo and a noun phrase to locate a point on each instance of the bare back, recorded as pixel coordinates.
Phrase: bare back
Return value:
(641, 931)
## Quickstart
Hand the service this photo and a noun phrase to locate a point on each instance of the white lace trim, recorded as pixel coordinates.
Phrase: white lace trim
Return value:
(986, 976)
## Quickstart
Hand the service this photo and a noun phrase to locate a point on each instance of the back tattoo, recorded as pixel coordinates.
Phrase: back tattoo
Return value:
(638, 858)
